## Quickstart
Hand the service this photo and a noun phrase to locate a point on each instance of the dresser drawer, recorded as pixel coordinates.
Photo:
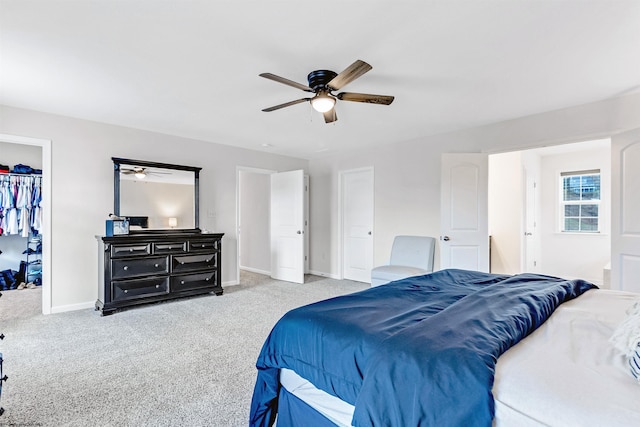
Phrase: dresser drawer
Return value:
(187, 282)
(203, 245)
(132, 267)
(183, 263)
(139, 288)
(119, 251)
(169, 248)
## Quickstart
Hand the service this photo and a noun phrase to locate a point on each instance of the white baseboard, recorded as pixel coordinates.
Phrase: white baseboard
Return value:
(323, 274)
(230, 283)
(255, 270)
(72, 307)
(314, 272)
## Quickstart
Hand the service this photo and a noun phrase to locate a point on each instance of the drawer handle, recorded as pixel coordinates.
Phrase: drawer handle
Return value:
(126, 291)
(125, 268)
(157, 286)
(181, 262)
(207, 260)
(156, 265)
(130, 249)
(170, 247)
(207, 279)
(182, 282)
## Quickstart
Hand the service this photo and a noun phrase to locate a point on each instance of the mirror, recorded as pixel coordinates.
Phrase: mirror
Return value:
(156, 196)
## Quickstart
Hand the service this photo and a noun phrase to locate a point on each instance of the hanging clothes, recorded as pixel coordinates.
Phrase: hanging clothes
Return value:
(20, 198)
(23, 204)
(36, 212)
(9, 212)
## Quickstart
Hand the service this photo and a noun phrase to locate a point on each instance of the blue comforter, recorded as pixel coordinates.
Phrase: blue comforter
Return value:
(417, 352)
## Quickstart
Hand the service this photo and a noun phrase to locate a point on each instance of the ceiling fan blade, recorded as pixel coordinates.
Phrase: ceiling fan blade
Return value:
(349, 74)
(365, 97)
(330, 116)
(286, 81)
(286, 104)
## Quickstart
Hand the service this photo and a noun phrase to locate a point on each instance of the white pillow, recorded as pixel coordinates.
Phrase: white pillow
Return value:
(634, 363)
(626, 339)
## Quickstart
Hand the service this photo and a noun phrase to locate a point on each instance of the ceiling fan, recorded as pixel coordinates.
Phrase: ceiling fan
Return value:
(141, 173)
(323, 83)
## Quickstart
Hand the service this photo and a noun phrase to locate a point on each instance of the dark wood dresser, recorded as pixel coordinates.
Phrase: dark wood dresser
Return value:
(142, 268)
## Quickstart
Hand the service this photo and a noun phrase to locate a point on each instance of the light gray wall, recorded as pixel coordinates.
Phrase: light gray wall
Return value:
(506, 210)
(12, 154)
(407, 180)
(407, 175)
(588, 252)
(82, 189)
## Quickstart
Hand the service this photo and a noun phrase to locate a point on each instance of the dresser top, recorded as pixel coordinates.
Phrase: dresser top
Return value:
(159, 236)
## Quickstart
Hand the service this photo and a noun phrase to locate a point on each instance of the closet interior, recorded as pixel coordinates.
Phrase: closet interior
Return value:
(20, 217)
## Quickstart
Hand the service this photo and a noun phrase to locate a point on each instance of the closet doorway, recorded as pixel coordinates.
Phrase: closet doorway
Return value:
(14, 144)
(253, 221)
(526, 212)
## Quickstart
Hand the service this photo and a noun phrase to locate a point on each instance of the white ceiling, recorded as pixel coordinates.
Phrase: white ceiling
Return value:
(190, 68)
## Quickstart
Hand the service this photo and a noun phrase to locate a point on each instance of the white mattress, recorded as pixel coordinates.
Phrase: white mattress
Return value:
(566, 373)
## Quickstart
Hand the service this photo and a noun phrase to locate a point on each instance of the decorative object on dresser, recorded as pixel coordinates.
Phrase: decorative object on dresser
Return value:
(142, 268)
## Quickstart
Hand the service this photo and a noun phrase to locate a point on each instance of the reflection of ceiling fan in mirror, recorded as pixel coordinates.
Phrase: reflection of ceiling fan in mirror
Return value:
(142, 173)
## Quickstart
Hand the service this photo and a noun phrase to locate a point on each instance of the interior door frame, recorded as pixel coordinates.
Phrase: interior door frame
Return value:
(341, 175)
(530, 237)
(45, 145)
(246, 169)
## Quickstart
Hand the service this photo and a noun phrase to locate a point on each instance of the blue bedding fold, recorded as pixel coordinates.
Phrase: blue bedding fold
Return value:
(417, 352)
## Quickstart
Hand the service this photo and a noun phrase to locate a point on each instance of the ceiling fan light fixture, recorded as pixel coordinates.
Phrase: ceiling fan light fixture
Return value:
(323, 102)
(140, 175)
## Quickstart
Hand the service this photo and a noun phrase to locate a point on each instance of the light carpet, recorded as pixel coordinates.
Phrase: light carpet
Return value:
(188, 362)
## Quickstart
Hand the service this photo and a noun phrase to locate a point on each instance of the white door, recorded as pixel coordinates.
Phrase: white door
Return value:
(625, 211)
(357, 224)
(287, 226)
(464, 242)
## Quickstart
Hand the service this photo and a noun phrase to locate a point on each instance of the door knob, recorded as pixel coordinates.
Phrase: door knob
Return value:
(369, 233)
(528, 234)
(298, 232)
(446, 238)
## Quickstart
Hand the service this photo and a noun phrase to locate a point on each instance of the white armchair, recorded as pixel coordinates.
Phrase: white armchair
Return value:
(410, 256)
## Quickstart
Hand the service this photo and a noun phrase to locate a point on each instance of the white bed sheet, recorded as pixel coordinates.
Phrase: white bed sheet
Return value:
(566, 373)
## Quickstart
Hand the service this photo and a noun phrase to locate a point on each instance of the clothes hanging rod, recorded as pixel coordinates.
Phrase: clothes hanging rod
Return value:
(35, 175)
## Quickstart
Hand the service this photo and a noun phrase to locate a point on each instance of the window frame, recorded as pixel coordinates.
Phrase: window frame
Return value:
(563, 203)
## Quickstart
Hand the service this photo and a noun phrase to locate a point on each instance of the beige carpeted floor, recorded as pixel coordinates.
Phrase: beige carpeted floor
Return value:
(189, 362)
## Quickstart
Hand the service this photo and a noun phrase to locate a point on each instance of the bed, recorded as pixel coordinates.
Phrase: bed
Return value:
(454, 347)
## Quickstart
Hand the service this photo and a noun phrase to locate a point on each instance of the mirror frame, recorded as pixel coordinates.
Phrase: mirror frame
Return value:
(117, 162)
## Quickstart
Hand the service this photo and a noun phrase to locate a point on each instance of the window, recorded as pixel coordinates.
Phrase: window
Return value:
(580, 205)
